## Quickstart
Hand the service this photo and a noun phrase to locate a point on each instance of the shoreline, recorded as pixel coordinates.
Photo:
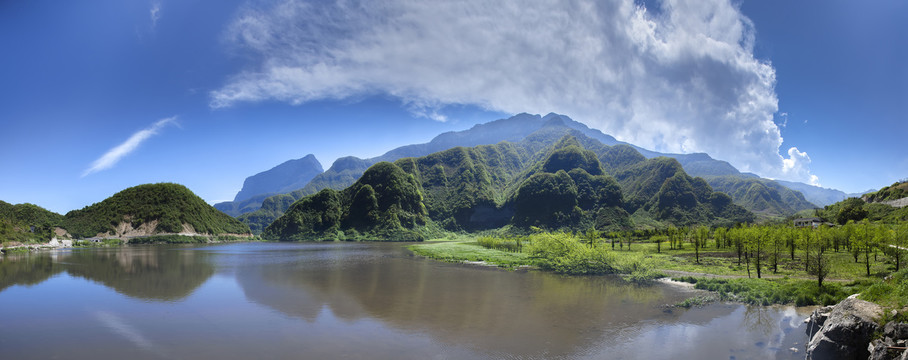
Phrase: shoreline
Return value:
(55, 243)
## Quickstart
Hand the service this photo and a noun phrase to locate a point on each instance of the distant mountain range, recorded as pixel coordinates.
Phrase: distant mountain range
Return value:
(819, 195)
(766, 197)
(762, 196)
(553, 179)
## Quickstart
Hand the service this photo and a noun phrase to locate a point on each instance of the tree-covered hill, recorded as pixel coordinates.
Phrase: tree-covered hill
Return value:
(384, 204)
(537, 182)
(856, 209)
(659, 188)
(897, 190)
(532, 134)
(344, 172)
(151, 209)
(27, 222)
(762, 196)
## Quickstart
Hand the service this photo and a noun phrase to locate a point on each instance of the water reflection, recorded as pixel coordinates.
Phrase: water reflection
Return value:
(515, 313)
(143, 272)
(355, 300)
(148, 273)
(26, 269)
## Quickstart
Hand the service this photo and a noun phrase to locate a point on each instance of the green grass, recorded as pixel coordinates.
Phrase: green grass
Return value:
(724, 262)
(460, 251)
(777, 291)
(891, 292)
(791, 284)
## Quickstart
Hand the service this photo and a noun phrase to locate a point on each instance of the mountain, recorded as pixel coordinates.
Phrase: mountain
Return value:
(894, 192)
(818, 195)
(541, 181)
(289, 176)
(765, 197)
(856, 209)
(27, 222)
(341, 174)
(517, 128)
(385, 203)
(151, 209)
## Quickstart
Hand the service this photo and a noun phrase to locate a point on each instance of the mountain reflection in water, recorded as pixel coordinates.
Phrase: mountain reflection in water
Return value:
(362, 300)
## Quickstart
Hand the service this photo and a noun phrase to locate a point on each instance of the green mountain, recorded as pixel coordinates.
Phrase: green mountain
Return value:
(856, 209)
(818, 195)
(782, 201)
(541, 181)
(766, 198)
(385, 203)
(896, 191)
(27, 222)
(151, 209)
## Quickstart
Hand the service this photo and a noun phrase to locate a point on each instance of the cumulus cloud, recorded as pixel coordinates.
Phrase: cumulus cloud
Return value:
(797, 166)
(113, 156)
(679, 78)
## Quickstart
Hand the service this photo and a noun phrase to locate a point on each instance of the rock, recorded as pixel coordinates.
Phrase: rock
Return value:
(879, 350)
(846, 331)
(896, 330)
(817, 319)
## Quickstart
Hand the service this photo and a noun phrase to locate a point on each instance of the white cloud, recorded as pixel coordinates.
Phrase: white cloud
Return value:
(112, 156)
(680, 79)
(155, 14)
(797, 166)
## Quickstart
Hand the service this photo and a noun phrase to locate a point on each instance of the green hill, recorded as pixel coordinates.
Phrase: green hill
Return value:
(538, 182)
(531, 134)
(856, 209)
(895, 191)
(27, 222)
(766, 198)
(151, 209)
(385, 203)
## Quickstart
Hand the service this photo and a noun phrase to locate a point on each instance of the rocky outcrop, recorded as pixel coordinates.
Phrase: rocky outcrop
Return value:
(844, 332)
(893, 344)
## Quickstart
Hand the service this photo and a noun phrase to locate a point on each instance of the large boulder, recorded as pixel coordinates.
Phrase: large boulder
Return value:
(846, 332)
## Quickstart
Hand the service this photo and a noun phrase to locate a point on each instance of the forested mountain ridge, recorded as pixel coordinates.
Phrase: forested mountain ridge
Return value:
(385, 203)
(151, 209)
(762, 196)
(563, 185)
(536, 132)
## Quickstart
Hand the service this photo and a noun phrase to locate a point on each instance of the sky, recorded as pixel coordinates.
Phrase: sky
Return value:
(98, 96)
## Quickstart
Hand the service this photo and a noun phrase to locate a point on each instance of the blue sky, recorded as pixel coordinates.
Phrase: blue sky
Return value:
(102, 95)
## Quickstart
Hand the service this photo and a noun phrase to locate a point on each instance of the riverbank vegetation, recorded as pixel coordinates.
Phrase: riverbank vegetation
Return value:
(765, 264)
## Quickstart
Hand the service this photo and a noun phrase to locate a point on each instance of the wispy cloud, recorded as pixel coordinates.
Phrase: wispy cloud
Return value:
(680, 77)
(155, 14)
(112, 156)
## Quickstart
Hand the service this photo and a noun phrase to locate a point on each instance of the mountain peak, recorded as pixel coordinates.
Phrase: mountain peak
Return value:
(286, 177)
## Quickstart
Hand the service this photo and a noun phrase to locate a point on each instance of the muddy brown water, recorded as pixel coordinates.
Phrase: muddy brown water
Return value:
(355, 301)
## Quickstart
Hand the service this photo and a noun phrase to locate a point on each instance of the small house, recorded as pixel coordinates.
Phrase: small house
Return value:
(813, 222)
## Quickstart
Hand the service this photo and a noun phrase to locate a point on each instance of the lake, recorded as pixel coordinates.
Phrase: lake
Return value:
(355, 300)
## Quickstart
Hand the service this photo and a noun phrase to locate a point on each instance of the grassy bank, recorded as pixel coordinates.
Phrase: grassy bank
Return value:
(558, 252)
(469, 250)
(785, 278)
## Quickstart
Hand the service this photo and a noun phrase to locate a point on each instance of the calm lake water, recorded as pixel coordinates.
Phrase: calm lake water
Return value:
(336, 300)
